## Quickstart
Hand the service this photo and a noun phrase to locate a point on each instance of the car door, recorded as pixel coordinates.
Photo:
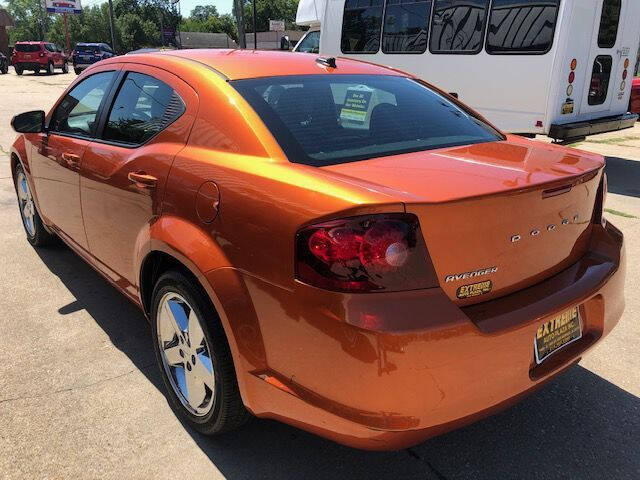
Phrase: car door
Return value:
(123, 173)
(57, 154)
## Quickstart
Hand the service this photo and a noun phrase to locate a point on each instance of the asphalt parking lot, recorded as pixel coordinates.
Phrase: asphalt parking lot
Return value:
(81, 397)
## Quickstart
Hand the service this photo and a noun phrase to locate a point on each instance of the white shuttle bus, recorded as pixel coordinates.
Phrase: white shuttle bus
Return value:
(561, 68)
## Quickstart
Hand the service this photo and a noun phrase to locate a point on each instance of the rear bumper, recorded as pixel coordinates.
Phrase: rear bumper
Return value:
(386, 371)
(569, 131)
(82, 66)
(30, 65)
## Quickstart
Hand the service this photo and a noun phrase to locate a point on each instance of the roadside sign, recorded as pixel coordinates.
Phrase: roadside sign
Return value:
(64, 6)
(276, 25)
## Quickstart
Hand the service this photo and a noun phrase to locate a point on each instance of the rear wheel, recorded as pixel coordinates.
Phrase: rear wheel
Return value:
(37, 235)
(50, 68)
(77, 70)
(65, 68)
(194, 357)
(5, 68)
(18, 69)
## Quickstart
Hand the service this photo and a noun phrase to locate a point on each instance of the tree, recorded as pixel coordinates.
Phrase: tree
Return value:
(30, 18)
(270, 10)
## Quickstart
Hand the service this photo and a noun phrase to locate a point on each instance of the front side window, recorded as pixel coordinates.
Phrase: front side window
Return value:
(310, 43)
(77, 112)
(143, 107)
(600, 76)
(458, 26)
(361, 26)
(406, 23)
(609, 21)
(522, 26)
(327, 119)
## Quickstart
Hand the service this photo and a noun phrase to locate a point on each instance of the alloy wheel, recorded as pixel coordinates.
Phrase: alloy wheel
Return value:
(186, 354)
(27, 208)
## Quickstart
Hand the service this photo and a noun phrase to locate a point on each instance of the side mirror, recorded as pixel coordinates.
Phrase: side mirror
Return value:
(285, 43)
(29, 122)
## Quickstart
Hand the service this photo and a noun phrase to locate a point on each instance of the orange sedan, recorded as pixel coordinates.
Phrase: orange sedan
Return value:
(322, 241)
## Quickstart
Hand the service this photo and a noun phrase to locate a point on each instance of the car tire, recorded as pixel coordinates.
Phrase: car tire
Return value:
(50, 68)
(18, 70)
(5, 68)
(37, 234)
(77, 70)
(36, 71)
(207, 370)
(65, 68)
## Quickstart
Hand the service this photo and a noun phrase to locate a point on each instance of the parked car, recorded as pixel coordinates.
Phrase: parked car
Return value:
(86, 54)
(4, 63)
(38, 56)
(327, 242)
(634, 103)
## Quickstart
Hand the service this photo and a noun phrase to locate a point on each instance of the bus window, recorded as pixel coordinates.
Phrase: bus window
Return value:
(361, 26)
(405, 26)
(609, 21)
(522, 26)
(458, 26)
(600, 77)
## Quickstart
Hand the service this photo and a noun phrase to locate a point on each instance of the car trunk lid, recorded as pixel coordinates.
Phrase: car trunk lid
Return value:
(496, 217)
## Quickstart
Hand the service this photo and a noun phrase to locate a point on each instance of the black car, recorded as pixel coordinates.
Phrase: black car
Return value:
(4, 64)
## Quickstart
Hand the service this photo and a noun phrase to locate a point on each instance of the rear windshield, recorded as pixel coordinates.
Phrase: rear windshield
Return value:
(27, 47)
(327, 119)
(87, 49)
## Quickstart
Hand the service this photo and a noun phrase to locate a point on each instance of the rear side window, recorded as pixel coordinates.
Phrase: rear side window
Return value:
(27, 47)
(361, 25)
(49, 47)
(406, 23)
(327, 119)
(458, 26)
(522, 26)
(77, 112)
(143, 107)
(600, 76)
(609, 21)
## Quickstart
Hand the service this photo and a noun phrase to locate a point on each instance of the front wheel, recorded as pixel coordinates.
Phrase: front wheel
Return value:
(37, 235)
(5, 68)
(194, 357)
(18, 70)
(50, 68)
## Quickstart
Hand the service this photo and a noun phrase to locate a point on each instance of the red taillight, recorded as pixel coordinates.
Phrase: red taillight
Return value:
(383, 252)
(572, 76)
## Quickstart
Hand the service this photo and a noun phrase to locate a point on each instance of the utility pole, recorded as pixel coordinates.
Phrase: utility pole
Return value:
(255, 32)
(112, 27)
(239, 8)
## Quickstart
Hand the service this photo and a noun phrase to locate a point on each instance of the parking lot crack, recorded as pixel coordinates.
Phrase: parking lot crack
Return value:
(79, 387)
(431, 468)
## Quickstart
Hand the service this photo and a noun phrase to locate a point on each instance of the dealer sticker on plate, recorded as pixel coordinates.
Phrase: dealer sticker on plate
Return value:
(557, 333)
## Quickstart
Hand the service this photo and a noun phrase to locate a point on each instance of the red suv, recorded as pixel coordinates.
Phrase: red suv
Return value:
(38, 56)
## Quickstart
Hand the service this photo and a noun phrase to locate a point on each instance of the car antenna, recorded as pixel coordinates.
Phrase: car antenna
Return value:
(327, 61)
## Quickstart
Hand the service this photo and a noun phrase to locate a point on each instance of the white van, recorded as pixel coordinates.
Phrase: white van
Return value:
(561, 68)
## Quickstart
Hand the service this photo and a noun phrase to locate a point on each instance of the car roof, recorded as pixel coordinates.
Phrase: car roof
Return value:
(241, 64)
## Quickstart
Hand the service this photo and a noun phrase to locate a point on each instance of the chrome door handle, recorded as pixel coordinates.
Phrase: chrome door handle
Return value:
(143, 180)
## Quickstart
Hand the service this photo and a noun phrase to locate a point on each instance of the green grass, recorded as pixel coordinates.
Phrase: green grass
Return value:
(620, 214)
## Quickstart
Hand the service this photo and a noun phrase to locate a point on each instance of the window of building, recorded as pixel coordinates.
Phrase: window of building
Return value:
(361, 25)
(406, 23)
(522, 26)
(143, 107)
